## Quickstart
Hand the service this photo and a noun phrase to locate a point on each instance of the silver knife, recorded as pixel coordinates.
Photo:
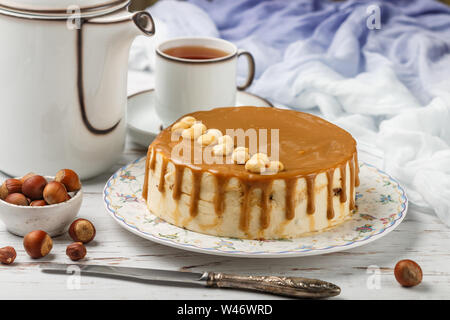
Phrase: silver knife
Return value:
(295, 287)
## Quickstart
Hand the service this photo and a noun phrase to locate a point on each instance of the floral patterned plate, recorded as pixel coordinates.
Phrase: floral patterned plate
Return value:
(382, 205)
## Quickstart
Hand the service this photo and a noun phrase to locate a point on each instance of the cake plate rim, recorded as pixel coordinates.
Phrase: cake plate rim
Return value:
(224, 246)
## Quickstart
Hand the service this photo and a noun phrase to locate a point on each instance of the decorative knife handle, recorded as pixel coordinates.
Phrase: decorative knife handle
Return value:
(295, 287)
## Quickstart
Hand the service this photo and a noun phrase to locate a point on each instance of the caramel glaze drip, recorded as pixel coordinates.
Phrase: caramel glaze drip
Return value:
(266, 189)
(219, 203)
(310, 182)
(163, 173)
(321, 145)
(176, 194)
(153, 160)
(147, 172)
(195, 192)
(352, 184)
(343, 194)
(330, 208)
(291, 184)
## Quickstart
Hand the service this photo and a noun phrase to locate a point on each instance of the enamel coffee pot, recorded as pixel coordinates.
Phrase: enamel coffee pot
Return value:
(63, 81)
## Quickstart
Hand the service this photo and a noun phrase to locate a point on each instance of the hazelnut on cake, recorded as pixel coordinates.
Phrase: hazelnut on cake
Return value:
(252, 173)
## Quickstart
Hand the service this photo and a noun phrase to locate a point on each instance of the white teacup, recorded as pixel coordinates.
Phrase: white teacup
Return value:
(184, 85)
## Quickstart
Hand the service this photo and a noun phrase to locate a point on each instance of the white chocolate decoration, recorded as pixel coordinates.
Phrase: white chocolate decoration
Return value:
(222, 149)
(226, 139)
(194, 132)
(240, 155)
(260, 163)
(255, 165)
(184, 123)
(210, 137)
(275, 166)
(215, 132)
(189, 120)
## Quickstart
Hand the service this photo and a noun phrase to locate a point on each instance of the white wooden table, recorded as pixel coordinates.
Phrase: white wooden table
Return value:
(421, 237)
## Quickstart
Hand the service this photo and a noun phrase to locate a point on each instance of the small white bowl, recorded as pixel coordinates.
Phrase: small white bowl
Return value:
(54, 219)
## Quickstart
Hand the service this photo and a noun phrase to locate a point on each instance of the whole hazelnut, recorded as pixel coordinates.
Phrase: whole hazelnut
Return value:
(7, 255)
(408, 273)
(38, 203)
(33, 187)
(69, 179)
(10, 186)
(82, 230)
(55, 192)
(18, 199)
(28, 175)
(76, 251)
(37, 244)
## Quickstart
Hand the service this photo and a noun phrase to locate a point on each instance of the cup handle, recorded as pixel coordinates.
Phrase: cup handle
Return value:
(251, 68)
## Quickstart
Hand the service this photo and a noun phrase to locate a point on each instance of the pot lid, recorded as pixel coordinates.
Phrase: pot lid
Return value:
(59, 6)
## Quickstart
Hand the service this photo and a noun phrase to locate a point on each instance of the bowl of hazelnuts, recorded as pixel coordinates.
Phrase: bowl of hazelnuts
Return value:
(36, 202)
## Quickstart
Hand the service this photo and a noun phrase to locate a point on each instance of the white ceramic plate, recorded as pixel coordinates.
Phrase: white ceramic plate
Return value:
(382, 205)
(144, 124)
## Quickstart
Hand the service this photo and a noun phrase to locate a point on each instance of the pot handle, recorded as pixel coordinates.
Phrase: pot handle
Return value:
(144, 22)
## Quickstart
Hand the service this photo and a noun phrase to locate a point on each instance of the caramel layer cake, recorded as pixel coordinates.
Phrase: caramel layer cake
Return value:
(205, 173)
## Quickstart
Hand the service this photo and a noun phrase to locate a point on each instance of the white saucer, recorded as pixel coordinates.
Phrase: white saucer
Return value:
(144, 124)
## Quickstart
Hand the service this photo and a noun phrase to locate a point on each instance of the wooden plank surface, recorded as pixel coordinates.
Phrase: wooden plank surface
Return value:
(421, 237)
